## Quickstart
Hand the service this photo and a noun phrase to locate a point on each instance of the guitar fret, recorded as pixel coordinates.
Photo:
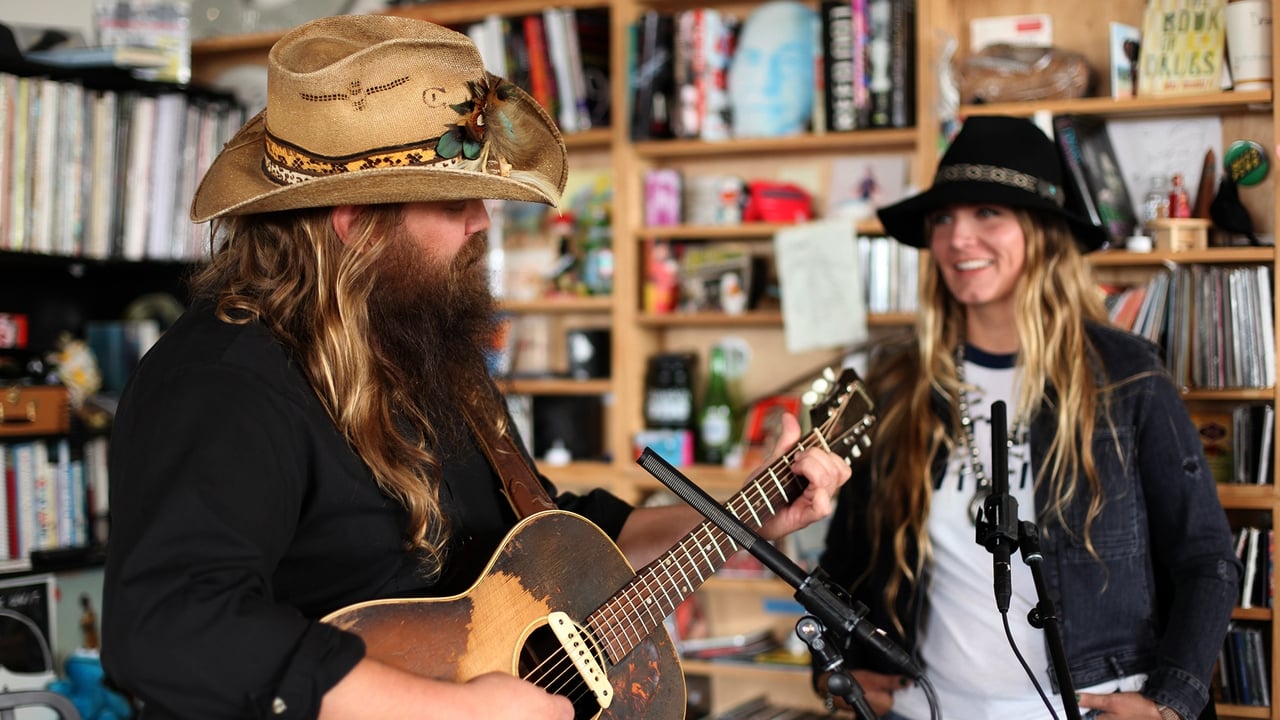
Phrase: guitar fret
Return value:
(688, 586)
(778, 484)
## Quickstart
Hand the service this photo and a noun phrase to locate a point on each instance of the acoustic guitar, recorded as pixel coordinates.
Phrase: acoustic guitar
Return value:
(559, 605)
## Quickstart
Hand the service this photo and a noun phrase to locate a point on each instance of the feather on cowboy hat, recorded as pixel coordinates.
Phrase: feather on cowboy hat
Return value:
(998, 160)
(368, 109)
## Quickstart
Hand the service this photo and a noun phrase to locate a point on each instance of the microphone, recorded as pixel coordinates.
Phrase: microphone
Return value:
(815, 592)
(998, 522)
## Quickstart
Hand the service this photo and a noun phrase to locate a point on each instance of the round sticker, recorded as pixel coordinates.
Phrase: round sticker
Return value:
(1246, 162)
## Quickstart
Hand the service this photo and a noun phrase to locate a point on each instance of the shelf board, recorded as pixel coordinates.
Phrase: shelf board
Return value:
(770, 586)
(715, 479)
(448, 12)
(593, 139)
(555, 386)
(761, 318)
(706, 319)
(1255, 613)
(581, 473)
(742, 231)
(559, 305)
(1242, 711)
(455, 12)
(211, 47)
(1213, 255)
(1234, 394)
(1239, 496)
(747, 669)
(881, 140)
(1206, 103)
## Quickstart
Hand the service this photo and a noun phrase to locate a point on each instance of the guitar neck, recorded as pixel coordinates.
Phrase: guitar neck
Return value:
(642, 604)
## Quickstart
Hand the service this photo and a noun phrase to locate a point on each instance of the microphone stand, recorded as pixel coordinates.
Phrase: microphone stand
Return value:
(840, 682)
(1044, 616)
(999, 530)
(829, 606)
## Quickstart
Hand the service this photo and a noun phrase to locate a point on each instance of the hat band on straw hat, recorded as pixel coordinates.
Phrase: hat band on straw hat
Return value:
(289, 165)
(969, 172)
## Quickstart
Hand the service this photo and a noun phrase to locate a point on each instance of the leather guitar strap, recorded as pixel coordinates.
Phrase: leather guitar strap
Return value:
(523, 489)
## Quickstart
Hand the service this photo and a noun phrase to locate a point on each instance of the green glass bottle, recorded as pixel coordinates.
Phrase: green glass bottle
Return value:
(715, 421)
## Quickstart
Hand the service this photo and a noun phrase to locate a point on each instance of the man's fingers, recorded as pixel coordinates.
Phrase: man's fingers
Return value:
(788, 436)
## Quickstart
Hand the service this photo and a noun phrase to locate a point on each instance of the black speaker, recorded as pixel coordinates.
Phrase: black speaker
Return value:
(575, 420)
(589, 353)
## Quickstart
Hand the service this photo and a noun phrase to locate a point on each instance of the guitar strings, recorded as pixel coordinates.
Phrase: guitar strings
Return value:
(565, 674)
(705, 536)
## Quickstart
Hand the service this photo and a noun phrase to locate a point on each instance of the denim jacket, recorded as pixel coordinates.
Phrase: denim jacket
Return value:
(1159, 600)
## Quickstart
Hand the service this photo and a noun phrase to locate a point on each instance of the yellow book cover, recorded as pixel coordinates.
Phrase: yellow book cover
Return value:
(1215, 430)
(1183, 44)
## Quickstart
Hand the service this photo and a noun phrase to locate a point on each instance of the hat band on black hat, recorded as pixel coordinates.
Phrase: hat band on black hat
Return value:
(970, 172)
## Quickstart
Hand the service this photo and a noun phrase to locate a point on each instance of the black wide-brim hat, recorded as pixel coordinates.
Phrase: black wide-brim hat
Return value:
(997, 160)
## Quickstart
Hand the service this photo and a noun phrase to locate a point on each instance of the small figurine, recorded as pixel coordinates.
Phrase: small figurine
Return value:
(88, 624)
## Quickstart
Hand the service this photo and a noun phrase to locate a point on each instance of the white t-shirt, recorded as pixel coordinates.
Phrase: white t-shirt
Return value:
(966, 654)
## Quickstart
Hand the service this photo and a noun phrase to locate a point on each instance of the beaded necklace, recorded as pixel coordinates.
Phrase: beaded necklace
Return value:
(982, 483)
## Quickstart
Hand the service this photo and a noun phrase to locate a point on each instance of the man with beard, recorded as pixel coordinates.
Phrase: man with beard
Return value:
(318, 430)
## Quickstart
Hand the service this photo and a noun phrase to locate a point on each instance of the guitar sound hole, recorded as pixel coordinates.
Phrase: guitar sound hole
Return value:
(544, 662)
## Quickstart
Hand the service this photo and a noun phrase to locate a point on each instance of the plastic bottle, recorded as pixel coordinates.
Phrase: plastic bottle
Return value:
(1156, 203)
(597, 255)
(715, 421)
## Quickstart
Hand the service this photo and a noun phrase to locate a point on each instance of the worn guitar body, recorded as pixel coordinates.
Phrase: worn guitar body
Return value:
(551, 561)
(559, 605)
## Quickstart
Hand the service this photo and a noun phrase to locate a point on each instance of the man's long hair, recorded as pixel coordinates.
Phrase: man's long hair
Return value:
(1052, 300)
(291, 272)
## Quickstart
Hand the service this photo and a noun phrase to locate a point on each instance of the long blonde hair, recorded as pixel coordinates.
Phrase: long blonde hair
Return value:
(291, 272)
(1053, 298)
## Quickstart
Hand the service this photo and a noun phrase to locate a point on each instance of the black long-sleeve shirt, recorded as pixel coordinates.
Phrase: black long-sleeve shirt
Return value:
(240, 516)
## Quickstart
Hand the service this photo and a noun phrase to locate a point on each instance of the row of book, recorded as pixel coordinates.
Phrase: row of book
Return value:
(1255, 547)
(1239, 442)
(1244, 674)
(1214, 323)
(890, 273)
(54, 495)
(560, 56)
(782, 70)
(1095, 184)
(102, 173)
(692, 276)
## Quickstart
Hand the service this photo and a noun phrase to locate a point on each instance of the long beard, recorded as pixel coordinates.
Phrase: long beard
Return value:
(434, 323)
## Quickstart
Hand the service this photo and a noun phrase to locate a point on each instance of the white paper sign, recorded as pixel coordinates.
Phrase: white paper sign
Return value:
(823, 301)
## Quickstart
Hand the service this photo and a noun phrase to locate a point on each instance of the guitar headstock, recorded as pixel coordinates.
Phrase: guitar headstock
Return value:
(845, 415)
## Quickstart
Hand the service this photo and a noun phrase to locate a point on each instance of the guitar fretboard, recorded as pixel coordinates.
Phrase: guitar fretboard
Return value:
(642, 604)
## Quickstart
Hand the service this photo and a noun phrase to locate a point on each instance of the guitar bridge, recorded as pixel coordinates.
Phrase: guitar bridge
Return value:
(577, 645)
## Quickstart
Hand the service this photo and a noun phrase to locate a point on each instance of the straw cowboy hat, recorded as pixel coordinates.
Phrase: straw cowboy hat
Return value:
(366, 109)
(998, 160)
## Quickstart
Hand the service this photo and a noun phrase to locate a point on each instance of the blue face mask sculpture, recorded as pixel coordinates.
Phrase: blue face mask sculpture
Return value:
(771, 78)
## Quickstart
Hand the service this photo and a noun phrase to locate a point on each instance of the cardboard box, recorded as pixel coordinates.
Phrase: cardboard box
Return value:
(1178, 234)
(34, 410)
